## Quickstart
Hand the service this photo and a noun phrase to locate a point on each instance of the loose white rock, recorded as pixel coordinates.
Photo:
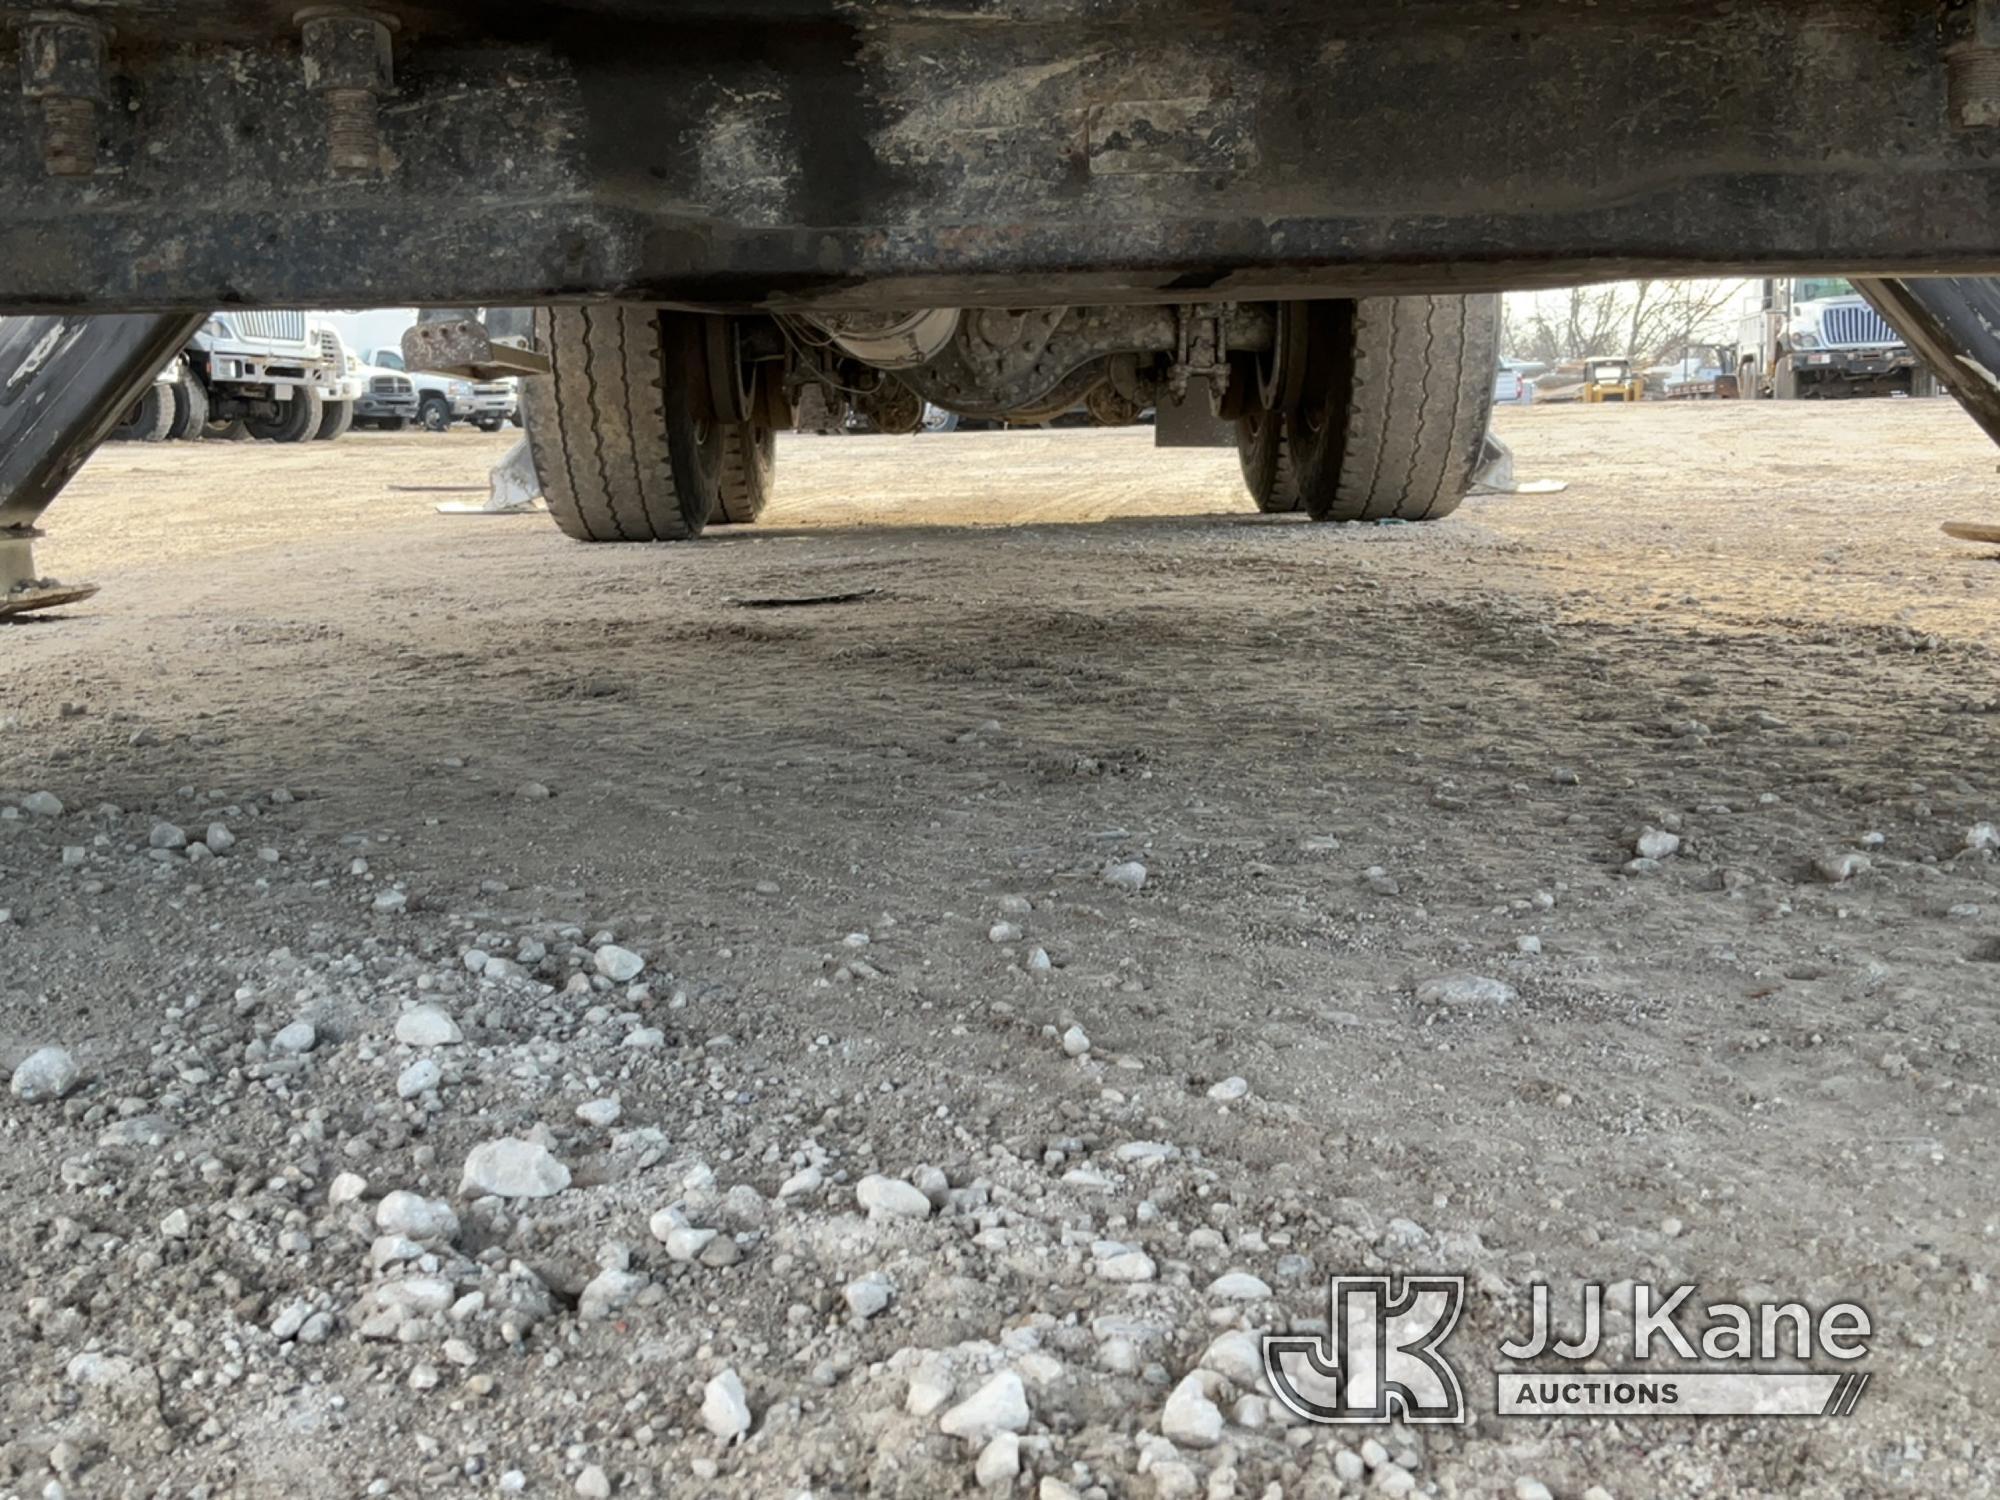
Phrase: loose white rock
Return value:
(420, 1077)
(930, 1387)
(610, 1291)
(725, 1411)
(42, 804)
(512, 1168)
(1238, 1357)
(1839, 868)
(1129, 876)
(1076, 1042)
(1465, 991)
(295, 1039)
(619, 965)
(345, 1189)
(999, 1462)
(1982, 836)
(602, 1113)
(1655, 843)
(1239, 1286)
(47, 1073)
(807, 1180)
(1003, 932)
(891, 1198)
(427, 1026)
(1127, 1266)
(1189, 1418)
(290, 1319)
(1230, 1090)
(593, 1483)
(416, 1217)
(684, 1242)
(868, 1295)
(1000, 1405)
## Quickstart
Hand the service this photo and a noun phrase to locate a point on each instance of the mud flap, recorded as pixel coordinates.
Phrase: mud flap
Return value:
(1192, 423)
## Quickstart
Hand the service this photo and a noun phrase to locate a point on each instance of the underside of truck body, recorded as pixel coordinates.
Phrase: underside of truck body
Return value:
(778, 153)
(1287, 218)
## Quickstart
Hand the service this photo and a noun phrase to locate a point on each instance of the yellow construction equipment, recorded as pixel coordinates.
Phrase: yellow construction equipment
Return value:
(1612, 380)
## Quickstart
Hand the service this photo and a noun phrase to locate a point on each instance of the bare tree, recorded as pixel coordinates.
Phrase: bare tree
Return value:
(1649, 320)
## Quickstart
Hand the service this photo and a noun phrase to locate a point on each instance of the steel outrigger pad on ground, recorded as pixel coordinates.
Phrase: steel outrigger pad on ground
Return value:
(65, 381)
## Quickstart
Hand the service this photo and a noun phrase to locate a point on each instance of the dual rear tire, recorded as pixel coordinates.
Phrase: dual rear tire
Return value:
(150, 419)
(626, 440)
(190, 410)
(1376, 408)
(336, 421)
(297, 420)
(1366, 410)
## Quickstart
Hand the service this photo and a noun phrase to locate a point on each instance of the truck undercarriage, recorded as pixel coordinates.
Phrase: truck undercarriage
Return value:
(793, 153)
(1288, 218)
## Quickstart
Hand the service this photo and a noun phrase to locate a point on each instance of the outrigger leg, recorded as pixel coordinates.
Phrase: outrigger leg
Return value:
(65, 381)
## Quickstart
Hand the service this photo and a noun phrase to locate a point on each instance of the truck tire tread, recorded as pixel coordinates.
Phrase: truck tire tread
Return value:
(190, 410)
(1264, 449)
(297, 421)
(152, 417)
(336, 418)
(597, 424)
(1420, 397)
(749, 459)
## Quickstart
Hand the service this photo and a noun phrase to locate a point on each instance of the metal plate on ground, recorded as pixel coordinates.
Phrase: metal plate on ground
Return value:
(55, 596)
(1972, 531)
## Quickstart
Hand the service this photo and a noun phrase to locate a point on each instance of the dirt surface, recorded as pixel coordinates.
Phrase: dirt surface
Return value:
(860, 851)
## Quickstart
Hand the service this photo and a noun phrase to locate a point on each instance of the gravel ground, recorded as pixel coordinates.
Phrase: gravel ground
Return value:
(532, 1023)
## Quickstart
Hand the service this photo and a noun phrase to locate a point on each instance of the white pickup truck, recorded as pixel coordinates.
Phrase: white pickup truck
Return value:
(394, 396)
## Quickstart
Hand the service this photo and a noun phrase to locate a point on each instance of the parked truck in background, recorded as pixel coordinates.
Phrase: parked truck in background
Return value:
(396, 396)
(1816, 337)
(435, 401)
(274, 375)
(340, 391)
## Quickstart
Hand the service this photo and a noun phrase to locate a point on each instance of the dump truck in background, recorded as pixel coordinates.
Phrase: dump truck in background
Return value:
(273, 375)
(1817, 338)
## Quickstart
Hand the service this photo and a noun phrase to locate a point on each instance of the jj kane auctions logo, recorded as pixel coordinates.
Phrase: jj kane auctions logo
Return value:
(1383, 1357)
